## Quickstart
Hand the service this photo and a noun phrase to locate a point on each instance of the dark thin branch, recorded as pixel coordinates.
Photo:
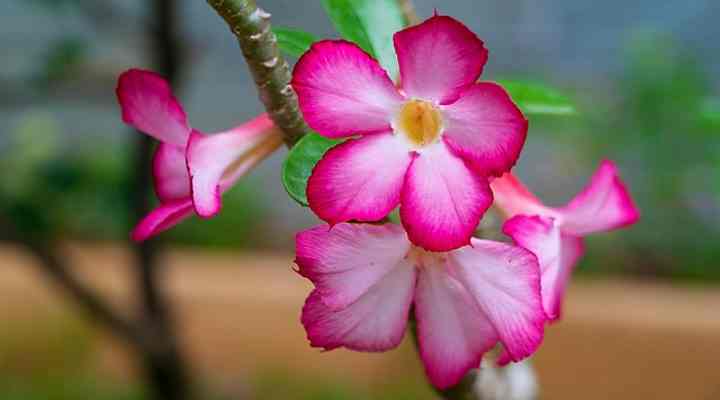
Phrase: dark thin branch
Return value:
(55, 269)
(251, 26)
(165, 369)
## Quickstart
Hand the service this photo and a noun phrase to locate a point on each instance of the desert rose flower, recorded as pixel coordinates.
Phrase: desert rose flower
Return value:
(428, 145)
(555, 234)
(465, 301)
(191, 170)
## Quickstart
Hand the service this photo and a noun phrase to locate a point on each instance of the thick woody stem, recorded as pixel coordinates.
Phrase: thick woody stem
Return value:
(251, 26)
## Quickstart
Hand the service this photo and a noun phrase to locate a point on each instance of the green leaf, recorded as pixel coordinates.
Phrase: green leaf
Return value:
(300, 162)
(293, 41)
(371, 24)
(538, 99)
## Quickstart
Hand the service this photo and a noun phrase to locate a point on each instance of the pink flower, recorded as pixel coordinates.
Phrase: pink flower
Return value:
(555, 234)
(465, 301)
(428, 145)
(190, 169)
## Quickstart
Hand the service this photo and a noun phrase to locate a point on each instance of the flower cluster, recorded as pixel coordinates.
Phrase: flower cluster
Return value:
(440, 145)
(429, 145)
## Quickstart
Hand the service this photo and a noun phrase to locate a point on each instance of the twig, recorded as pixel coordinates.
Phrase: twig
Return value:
(165, 369)
(408, 11)
(251, 27)
(53, 267)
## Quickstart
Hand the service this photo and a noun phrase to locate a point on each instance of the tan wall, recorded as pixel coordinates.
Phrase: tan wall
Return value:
(239, 317)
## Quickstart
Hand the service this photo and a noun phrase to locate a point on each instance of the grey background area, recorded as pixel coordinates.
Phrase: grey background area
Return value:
(568, 43)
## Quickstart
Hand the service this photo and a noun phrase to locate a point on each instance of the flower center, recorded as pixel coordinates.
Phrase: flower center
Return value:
(423, 258)
(420, 121)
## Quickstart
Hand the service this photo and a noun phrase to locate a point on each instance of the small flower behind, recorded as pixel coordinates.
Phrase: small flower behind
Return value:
(555, 234)
(428, 145)
(367, 277)
(191, 170)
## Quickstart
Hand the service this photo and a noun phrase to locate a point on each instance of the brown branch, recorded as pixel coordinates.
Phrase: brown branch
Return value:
(166, 370)
(408, 11)
(55, 269)
(251, 27)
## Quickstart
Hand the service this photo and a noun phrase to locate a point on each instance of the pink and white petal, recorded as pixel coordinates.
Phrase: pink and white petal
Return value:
(245, 164)
(542, 237)
(209, 158)
(442, 200)
(603, 205)
(170, 173)
(162, 218)
(504, 281)
(360, 179)
(513, 198)
(452, 333)
(572, 249)
(346, 261)
(342, 91)
(438, 58)
(374, 322)
(485, 128)
(148, 104)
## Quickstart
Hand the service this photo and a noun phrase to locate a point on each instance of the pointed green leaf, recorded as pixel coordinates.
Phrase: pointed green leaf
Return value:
(293, 42)
(371, 24)
(300, 162)
(538, 99)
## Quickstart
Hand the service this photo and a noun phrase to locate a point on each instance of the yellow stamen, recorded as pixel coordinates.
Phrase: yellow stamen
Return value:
(420, 121)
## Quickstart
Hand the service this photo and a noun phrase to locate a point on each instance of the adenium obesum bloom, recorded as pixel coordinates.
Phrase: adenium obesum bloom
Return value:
(428, 144)
(555, 235)
(190, 169)
(367, 277)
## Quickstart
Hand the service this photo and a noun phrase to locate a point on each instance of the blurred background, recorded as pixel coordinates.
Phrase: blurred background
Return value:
(641, 320)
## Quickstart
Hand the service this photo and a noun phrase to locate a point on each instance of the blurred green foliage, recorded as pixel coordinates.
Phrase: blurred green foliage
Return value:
(659, 118)
(36, 365)
(27, 350)
(281, 385)
(83, 191)
(661, 125)
(267, 387)
(62, 60)
(710, 113)
(65, 388)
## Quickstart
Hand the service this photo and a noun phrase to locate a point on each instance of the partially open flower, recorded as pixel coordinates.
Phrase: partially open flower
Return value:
(191, 170)
(467, 300)
(428, 145)
(555, 234)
